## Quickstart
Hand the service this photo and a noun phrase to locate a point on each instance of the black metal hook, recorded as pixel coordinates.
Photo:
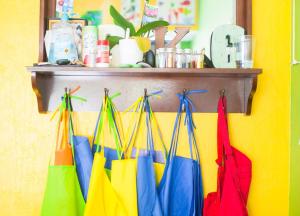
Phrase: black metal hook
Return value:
(184, 91)
(222, 93)
(106, 91)
(145, 98)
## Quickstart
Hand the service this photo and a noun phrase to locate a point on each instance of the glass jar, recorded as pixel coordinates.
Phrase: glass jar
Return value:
(180, 58)
(193, 59)
(188, 58)
(170, 58)
(161, 58)
(198, 59)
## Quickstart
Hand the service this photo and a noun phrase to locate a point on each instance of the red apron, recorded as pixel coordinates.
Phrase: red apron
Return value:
(234, 175)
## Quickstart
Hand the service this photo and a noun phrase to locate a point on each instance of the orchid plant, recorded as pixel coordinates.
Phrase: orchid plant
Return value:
(141, 35)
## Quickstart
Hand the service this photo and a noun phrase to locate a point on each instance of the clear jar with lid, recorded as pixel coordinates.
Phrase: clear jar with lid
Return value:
(195, 59)
(199, 59)
(170, 58)
(188, 58)
(160, 58)
(180, 58)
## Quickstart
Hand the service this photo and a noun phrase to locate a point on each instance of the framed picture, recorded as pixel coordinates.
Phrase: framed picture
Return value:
(66, 3)
(179, 12)
(132, 11)
(77, 23)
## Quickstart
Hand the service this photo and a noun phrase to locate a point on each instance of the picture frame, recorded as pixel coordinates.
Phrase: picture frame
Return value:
(77, 25)
(179, 13)
(80, 23)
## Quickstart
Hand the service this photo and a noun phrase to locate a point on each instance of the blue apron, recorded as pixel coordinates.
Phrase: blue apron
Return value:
(148, 199)
(84, 161)
(181, 190)
(82, 156)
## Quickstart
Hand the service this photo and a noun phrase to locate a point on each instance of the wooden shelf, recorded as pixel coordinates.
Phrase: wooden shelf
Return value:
(240, 85)
(87, 71)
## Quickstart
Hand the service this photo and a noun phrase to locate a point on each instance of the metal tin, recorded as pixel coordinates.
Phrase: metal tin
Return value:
(102, 58)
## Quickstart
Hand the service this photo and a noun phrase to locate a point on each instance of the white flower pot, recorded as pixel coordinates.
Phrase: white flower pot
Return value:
(130, 53)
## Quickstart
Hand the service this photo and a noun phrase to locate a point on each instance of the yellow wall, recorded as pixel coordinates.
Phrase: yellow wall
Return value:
(26, 136)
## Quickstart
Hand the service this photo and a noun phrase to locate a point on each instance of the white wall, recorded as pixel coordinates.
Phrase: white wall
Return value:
(212, 14)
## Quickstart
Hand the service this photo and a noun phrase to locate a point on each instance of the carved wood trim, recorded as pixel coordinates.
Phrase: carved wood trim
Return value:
(248, 103)
(37, 92)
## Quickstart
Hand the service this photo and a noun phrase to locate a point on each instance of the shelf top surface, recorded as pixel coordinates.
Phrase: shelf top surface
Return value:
(76, 70)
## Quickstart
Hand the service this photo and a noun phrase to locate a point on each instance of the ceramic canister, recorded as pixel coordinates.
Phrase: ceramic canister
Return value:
(89, 43)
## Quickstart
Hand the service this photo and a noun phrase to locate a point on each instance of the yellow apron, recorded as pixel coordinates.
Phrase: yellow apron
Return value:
(102, 199)
(124, 172)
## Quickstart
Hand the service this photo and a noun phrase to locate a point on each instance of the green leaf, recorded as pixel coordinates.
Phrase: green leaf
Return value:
(150, 26)
(121, 21)
(113, 41)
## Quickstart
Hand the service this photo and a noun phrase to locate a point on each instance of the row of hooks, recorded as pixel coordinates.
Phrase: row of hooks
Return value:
(106, 92)
(69, 91)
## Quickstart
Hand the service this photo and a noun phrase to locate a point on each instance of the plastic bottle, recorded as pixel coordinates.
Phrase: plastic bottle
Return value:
(63, 44)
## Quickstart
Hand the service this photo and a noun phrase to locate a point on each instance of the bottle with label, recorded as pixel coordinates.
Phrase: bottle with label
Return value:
(62, 45)
(89, 42)
(102, 58)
